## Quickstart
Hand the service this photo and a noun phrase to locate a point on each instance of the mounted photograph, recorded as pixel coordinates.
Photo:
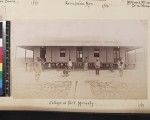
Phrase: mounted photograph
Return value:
(79, 59)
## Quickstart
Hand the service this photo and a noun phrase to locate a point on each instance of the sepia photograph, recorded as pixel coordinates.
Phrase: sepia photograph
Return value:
(79, 59)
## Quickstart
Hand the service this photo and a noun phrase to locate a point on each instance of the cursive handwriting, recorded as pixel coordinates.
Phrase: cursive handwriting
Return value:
(139, 3)
(72, 102)
(78, 3)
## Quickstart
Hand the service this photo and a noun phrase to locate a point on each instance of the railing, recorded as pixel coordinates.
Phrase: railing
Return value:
(76, 65)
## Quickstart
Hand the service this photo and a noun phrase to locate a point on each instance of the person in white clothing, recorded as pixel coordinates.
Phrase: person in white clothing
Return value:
(70, 64)
(86, 64)
(97, 66)
(38, 68)
(120, 66)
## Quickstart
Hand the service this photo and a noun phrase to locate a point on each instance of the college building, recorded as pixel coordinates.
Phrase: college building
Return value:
(57, 42)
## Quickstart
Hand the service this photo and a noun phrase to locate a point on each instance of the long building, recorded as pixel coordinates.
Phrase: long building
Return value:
(56, 42)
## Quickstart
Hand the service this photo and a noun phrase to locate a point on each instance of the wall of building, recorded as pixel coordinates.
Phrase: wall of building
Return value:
(56, 55)
(133, 57)
(102, 51)
(53, 54)
(73, 53)
(103, 54)
(85, 52)
(106, 54)
(110, 54)
(91, 55)
(48, 54)
(122, 53)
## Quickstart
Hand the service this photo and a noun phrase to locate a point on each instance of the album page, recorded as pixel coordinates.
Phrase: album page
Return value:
(75, 55)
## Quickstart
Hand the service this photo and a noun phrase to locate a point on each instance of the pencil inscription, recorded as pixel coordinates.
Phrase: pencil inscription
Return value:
(138, 3)
(72, 103)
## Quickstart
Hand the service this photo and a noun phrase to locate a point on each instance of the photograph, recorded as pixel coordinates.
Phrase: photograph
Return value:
(79, 59)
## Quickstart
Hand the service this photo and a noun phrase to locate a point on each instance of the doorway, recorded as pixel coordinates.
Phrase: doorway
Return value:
(43, 53)
(79, 57)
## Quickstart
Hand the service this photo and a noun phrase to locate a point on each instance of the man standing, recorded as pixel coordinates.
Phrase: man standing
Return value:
(120, 66)
(69, 64)
(97, 66)
(86, 64)
(38, 68)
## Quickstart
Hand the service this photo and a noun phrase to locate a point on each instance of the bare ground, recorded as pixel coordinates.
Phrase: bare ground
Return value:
(80, 85)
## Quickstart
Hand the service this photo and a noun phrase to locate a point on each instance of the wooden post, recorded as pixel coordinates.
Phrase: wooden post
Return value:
(33, 54)
(106, 55)
(51, 54)
(99, 55)
(69, 52)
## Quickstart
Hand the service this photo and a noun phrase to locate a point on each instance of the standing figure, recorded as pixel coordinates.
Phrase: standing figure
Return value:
(86, 64)
(38, 68)
(97, 66)
(65, 72)
(42, 64)
(120, 66)
(70, 65)
(111, 67)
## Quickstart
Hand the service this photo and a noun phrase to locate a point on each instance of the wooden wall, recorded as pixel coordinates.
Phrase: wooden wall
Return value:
(53, 54)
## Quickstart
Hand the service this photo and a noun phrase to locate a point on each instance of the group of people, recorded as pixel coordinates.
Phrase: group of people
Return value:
(69, 67)
(120, 66)
(97, 65)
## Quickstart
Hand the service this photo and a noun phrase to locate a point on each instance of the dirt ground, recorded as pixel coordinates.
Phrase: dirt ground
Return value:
(80, 85)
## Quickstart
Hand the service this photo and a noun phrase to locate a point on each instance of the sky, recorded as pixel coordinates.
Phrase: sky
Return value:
(36, 32)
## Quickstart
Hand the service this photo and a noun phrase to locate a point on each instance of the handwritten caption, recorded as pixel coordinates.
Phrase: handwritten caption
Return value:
(72, 103)
(88, 3)
(7, 1)
(141, 105)
(31, 2)
(138, 3)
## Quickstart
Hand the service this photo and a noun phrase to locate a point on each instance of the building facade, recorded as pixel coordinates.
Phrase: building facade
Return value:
(58, 56)
(56, 42)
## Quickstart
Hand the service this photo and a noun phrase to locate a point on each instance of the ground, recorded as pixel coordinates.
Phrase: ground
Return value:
(80, 85)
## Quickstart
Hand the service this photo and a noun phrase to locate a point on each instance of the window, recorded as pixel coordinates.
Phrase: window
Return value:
(62, 52)
(96, 53)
